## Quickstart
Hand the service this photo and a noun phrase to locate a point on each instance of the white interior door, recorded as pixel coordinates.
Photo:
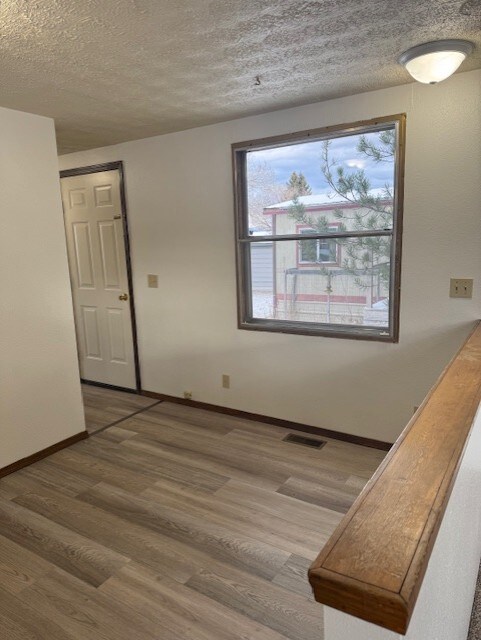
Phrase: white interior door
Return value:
(98, 273)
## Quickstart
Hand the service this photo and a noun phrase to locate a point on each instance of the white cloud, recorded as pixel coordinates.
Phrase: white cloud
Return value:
(355, 163)
(306, 157)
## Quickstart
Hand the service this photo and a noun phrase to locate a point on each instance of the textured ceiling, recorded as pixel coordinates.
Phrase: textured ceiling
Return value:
(116, 70)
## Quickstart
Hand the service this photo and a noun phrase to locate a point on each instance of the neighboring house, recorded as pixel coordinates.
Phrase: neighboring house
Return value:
(314, 277)
(261, 263)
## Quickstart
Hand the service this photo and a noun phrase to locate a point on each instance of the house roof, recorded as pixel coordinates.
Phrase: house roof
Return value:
(319, 200)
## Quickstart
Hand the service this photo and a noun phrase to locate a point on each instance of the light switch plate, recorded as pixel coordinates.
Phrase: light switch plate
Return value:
(461, 288)
(152, 281)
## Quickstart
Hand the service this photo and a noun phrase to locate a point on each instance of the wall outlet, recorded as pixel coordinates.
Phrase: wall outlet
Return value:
(461, 288)
(225, 381)
(188, 395)
(152, 281)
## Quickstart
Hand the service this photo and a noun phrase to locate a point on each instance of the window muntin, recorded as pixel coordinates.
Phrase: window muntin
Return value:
(338, 249)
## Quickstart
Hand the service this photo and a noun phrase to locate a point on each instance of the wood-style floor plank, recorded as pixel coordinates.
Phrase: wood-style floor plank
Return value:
(184, 612)
(204, 461)
(115, 434)
(82, 557)
(337, 498)
(174, 524)
(85, 612)
(214, 422)
(130, 539)
(93, 467)
(292, 576)
(307, 462)
(48, 475)
(322, 521)
(153, 468)
(104, 406)
(166, 416)
(292, 615)
(253, 523)
(19, 567)
(19, 622)
(222, 543)
(214, 451)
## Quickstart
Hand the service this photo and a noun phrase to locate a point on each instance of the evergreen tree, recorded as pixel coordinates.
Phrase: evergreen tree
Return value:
(297, 211)
(372, 211)
(362, 256)
(297, 185)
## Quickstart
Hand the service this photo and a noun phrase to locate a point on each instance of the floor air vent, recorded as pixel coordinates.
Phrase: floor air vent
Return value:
(307, 442)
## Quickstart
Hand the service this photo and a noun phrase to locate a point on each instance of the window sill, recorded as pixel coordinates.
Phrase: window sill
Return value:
(349, 332)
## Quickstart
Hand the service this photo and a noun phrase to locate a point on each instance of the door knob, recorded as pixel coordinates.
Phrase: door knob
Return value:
(124, 296)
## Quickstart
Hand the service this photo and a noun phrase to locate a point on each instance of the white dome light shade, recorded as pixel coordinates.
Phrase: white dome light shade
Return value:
(434, 67)
(435, 61)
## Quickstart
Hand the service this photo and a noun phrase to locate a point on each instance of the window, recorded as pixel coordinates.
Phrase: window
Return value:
(317, 251)
(318, 224)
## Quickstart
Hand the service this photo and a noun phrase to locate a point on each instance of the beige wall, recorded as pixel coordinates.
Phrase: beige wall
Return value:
(179, 191)
(40, 401)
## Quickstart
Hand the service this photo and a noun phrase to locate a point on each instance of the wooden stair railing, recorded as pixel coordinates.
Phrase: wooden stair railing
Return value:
(373, 565)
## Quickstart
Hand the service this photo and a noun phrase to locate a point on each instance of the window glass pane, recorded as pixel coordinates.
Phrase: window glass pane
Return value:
(355, 291)
(262, 279)
(343, 183)
(327, 251)
(308, 251)
(317, 251)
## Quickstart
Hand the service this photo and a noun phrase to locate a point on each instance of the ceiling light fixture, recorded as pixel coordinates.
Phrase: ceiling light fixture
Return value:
(432, 62)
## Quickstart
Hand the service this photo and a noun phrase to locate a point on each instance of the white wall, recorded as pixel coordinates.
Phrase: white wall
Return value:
(40, 402)
(180, 201)
(443, 607)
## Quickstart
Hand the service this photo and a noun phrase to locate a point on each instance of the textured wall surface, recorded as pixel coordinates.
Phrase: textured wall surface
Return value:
(120, 70)
(179, 192)
(40, 401)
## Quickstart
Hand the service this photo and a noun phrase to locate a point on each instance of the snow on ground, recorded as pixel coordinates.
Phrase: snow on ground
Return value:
(262, 304)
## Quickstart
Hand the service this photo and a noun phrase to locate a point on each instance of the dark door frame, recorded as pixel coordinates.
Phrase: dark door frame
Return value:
(117, 166)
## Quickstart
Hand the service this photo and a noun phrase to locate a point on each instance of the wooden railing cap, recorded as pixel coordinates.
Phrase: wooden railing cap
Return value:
(373, 565)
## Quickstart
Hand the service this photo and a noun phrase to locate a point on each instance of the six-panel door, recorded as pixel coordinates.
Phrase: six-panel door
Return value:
(98, 273)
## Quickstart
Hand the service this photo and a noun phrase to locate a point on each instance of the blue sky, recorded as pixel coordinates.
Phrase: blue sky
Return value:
(306, 158)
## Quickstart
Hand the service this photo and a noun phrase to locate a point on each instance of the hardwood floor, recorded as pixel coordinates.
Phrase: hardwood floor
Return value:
(174, 524)
(104, 407)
